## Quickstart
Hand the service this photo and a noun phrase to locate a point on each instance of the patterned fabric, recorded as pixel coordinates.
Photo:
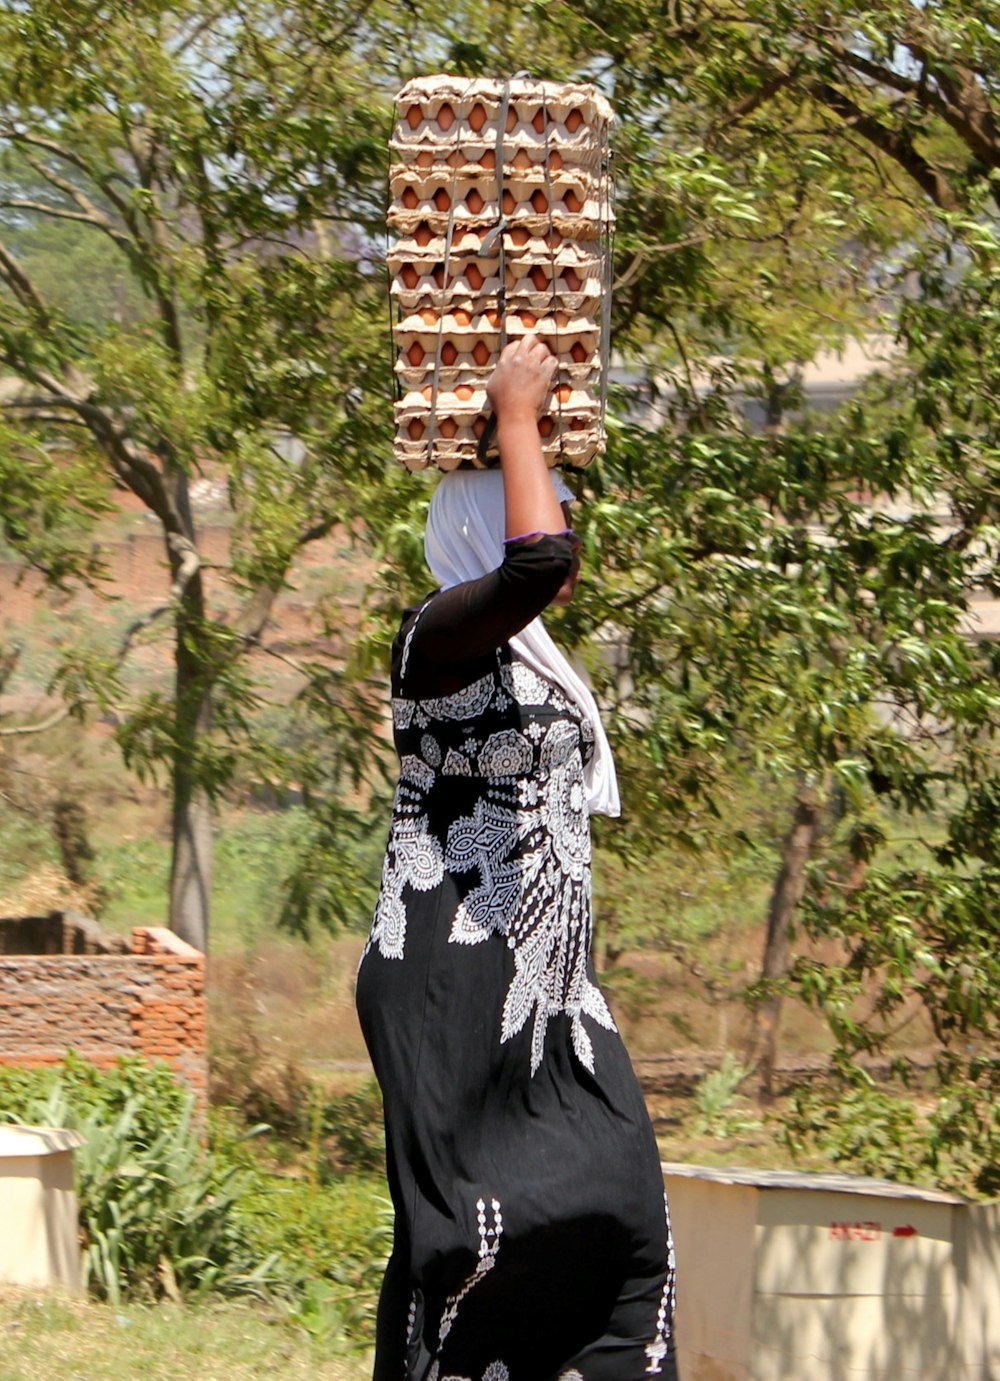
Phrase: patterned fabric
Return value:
(504, 1078)
(525, 845)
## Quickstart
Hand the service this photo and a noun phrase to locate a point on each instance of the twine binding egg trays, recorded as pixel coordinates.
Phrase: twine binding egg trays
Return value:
(501, 208)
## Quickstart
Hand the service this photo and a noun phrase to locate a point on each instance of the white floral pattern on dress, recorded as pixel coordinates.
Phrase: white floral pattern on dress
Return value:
(526, 840)
(414, 859)
(662, 1345)
(489, 1245)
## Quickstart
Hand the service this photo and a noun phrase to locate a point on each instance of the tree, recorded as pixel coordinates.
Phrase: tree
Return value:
(803, 597)
(227, 161)
(856, 603)
(797, 599)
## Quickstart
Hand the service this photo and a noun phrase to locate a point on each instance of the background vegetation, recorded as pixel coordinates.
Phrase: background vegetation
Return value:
(784, 615)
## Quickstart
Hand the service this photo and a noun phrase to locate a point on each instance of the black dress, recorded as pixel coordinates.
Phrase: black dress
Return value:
(531, 1237)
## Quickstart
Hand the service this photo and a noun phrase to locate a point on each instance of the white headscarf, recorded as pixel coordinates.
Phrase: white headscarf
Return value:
(465, 540)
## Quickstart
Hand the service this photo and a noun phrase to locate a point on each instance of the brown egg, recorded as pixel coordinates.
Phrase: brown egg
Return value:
(539, 201)
(573, 121)
(511, 120)
(438, 275)
(477, 117)
(572, 202)
(579, 352)
(415, 429)
(441, 199)
(509, 204)
(462, 317)
(546, 426)
(446, 116)
(539, 277)
(553, 239)
(409, 198)
(456, 159)
(409, 276)
(521, 159)
(481, 353)
(494, 319)
(414, 116)
(578, 424)
(428, 392)
(520, 236)
(555, 160)
(449, 353)
(572, 280)
(528, 319)
(474, 277)
(564, 393)
(474, 201)
(425, 159)
(488, 159)
(416, 353)
(539, 121)
(479, 426)
(429, 317)
(422, 234)
(465, 392)
(447, 427)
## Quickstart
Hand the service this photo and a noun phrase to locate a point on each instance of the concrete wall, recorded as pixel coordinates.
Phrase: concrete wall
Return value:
(150, 1002)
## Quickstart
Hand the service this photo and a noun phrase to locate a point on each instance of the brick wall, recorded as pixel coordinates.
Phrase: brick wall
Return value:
(150, 1002)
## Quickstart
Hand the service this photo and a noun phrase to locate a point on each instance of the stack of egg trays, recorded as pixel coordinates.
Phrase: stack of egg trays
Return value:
(468, 203)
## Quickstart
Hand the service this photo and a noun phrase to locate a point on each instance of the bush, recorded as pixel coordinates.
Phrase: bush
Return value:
(353, 1122)
(335, 1239)
(161, 1214)
(156, 1207)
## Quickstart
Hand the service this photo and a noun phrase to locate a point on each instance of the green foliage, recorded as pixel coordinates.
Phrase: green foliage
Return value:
(52, 498)
(157, 1210)
(942, 1128)
(335, 1237)
(162, 1214)
(716, 1110)
(354, 1121)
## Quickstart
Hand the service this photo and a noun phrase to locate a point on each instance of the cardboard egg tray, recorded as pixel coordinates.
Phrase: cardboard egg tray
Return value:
(499, 231)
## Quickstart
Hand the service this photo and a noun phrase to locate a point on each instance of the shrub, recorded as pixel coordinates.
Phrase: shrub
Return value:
(716, 1102)
(161, 1214)
(335, 1239)
(156, 1207)
(353, 1122)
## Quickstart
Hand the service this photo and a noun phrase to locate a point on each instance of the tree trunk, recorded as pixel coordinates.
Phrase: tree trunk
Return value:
(192, 833)
(194, 675)
(786, 894)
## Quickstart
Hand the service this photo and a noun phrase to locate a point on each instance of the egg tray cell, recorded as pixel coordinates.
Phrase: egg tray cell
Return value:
(575, 449)
(539, 222)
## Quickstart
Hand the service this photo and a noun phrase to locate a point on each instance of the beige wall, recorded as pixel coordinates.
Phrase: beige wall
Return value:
(797, 1277)
(39, 1241)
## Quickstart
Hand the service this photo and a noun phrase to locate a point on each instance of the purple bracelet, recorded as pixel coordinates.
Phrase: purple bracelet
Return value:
(563, 532)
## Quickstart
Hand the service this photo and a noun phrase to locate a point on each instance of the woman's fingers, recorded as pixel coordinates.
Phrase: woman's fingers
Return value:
(523, 374)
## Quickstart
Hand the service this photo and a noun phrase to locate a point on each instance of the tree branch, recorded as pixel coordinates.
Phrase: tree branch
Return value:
(23, 289)
(965, 109)
(896, 145)
(56, 718)
(63, 213)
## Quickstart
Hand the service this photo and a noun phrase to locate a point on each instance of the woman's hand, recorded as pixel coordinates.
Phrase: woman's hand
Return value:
(522, 378)
(518, 391)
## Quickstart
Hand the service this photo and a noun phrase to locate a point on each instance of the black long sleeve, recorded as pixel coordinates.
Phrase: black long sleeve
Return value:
(459, 630)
